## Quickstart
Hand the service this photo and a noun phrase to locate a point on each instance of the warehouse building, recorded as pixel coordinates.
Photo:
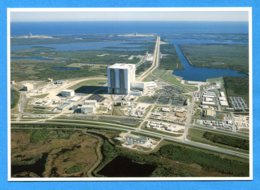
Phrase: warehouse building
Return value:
(67, 93)
(88, 109)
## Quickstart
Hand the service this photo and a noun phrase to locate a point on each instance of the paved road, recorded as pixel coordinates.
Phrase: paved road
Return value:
(146, 117)
(156, 59)
(21, 105)
(190, 114)
(120, 127)
(228, 133)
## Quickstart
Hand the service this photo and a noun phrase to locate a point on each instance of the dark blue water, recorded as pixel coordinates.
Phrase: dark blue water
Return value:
(207, 41)
(161, 28)
(199, 73)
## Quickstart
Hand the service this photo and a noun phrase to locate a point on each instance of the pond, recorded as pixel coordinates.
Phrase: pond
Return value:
(38, 167)
(125, 167)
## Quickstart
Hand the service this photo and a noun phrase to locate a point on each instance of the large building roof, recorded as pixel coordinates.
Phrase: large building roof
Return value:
(122, 66)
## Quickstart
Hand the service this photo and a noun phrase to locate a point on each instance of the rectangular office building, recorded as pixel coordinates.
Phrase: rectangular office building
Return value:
(119, 78)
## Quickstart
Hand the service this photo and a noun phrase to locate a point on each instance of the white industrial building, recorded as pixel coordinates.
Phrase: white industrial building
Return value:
(88, 109)
(222, 99)
(120, 76)
(143, 85)
(91, 103)
(67, 93)
(138, 85)
(149, 57)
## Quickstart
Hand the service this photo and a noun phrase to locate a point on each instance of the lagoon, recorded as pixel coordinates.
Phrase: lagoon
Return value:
(193, 73)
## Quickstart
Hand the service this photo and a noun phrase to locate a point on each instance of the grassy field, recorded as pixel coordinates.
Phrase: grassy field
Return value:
(14, 98)
(218, 139)
(218, 56)
(237, 86)
(143, 67)
(170, 60)
(166, 75)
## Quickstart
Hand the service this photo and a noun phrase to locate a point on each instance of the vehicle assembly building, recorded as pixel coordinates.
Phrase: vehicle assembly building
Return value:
(120, 76)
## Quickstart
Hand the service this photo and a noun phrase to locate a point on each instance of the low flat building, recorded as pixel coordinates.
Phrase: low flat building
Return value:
(224, 103)
(208, 103)
(138, 85)
(91, 103)
(222, 94)
(164, 109)
(210, 112)
(67, 93)
(87, 109)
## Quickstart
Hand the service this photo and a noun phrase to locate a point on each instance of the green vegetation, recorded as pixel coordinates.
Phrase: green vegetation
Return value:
(206, 160)
(44, 134)
(143, 67)
(166, 75)
(14, 98)
(74, 169)
(41, 70)
(170, 60)
(109, 152)
(107, 57)
(218, 139)
(197, 114)
(227, 140)
(147, 99)
(118, 111)
(218, 56)
(178, 160)
(39, 135)
(64, 148)
(237, 86)
(166, 133)
(175, 159)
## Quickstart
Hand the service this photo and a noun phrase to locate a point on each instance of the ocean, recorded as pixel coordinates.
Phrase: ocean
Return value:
(160, 28)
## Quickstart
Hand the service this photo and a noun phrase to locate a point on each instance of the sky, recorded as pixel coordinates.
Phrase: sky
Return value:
(126, 15)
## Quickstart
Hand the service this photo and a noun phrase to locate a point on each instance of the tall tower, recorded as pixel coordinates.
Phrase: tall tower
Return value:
(119, 78)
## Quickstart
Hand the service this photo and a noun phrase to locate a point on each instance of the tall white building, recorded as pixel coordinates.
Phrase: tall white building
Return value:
(120, 76)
